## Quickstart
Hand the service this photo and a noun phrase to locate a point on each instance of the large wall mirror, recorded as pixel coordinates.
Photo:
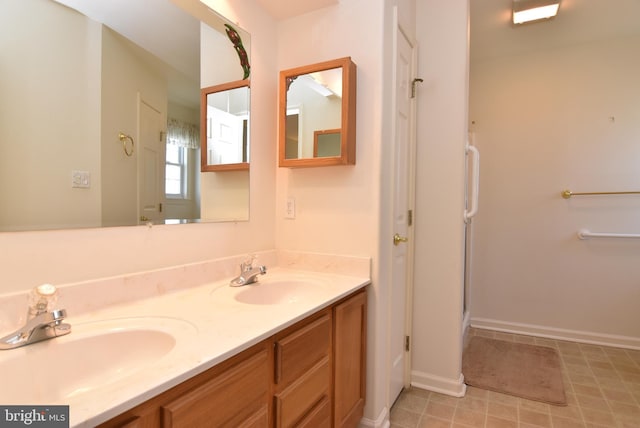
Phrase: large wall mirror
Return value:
(100, 113)
(317, 115)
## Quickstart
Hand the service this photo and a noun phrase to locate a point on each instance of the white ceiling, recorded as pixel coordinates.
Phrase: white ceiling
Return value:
(284, 9)
(165, 30)
(161, 28)
(578, 21)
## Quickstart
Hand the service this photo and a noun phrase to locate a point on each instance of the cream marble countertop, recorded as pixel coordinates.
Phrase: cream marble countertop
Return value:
(211, 325)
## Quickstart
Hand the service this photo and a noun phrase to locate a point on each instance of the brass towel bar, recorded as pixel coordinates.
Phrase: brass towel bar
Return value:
(568, 193)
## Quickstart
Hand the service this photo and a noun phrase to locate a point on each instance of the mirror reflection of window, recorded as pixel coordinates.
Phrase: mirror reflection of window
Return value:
(182, 142)
(326, 143)
(176, 172)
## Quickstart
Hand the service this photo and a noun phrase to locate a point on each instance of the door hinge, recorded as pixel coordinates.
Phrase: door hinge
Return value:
(160, 207)
(410, 217)
(413, 86)
(407, 343)
(163, 136)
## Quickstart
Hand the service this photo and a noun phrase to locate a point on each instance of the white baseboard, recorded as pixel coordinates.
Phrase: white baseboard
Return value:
(430, 382)
(382, 421)
(558, 333)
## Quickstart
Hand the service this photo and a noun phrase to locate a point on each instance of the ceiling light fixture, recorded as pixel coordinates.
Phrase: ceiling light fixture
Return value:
(317, 86)
(534, 10)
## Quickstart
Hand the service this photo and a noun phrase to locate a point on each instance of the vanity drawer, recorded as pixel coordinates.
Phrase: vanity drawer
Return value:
(301, 404)
(296, 352)
(237, 397)
(319, 416)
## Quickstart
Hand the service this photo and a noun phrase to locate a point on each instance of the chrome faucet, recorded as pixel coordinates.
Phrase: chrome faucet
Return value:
(248, 273)
(42, 322)
(42, 327)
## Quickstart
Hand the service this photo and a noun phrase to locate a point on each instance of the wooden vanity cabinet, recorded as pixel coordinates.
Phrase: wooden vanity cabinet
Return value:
(234, 393)
(311, 374)
(350, 356)
(302, 376)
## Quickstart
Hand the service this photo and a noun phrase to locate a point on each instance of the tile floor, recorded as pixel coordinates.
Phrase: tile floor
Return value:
(602, 386)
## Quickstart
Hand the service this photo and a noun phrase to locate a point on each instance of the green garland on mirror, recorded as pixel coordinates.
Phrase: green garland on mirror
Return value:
(242, 53)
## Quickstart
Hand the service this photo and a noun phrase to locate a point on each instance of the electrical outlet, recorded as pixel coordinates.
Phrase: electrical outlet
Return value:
(81, 179)
(290, 211)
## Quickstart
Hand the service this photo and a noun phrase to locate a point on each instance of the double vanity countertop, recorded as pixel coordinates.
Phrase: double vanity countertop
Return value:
(120, 355)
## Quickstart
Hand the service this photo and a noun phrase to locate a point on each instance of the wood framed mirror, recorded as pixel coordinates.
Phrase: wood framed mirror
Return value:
(317, 115)
(224, 136)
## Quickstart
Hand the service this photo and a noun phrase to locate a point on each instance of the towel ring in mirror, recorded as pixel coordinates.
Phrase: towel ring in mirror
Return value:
(124, 138)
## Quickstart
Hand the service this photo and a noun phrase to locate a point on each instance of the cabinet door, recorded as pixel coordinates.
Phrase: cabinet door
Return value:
(350, 349)
(238, 397)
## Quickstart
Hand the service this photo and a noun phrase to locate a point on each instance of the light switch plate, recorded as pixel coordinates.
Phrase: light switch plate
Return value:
(81, 179)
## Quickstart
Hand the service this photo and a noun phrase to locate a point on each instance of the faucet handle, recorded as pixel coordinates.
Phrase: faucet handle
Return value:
(42, 298)
(248, 262)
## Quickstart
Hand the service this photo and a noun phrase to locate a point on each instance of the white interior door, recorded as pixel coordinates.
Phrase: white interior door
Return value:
(151, 155)
(404, 111)
(225, 142)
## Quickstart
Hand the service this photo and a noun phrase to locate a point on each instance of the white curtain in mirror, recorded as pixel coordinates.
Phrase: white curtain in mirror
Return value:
(183, 134)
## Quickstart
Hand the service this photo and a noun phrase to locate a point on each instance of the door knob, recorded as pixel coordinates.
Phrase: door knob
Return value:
(144, 218)
(398, 239)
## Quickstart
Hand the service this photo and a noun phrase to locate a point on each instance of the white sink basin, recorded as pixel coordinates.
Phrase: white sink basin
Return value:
(279, 291)
(93, 355)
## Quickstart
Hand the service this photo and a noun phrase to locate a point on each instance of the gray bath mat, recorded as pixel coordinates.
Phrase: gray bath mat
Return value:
(528, 371)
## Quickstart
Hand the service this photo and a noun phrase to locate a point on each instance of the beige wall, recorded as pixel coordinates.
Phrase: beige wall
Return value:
(335, 206)
(40, 121)
(224, 196)
(442, 131)
(126, 82)
(219, 57)
(546, 121)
